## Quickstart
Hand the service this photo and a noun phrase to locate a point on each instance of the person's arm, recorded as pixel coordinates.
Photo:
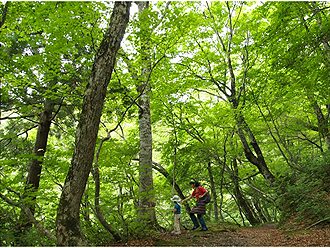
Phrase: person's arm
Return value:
(205, 191)
(188, 198)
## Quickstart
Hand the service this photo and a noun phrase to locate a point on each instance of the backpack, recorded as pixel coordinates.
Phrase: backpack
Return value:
(207, 198)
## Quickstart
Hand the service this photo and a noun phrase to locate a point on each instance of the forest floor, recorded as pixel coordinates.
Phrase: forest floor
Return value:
(218, 235)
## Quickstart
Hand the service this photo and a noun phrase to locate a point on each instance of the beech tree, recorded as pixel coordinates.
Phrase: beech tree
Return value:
(68, 230)
(146, 211)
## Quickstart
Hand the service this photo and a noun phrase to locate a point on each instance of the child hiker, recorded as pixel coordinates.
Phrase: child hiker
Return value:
(177, 214)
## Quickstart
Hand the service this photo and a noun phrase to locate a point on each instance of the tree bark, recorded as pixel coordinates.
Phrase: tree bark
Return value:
(258, 159)
(241, 201)
(322, 122)
(68, 229)
(33, 177)
(4, 14)
(214, 195)
(146, 212)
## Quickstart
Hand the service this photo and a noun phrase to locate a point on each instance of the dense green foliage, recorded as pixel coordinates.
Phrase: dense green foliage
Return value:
(228, 79)
(304, 195)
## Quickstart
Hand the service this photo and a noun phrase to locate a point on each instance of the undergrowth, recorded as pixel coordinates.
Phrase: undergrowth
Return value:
(303, 195)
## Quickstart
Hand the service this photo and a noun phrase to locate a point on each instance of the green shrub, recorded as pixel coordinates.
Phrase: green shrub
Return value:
(303, 195)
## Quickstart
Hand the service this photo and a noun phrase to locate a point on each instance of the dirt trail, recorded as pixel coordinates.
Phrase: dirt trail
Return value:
(270, 236)
(266, 235)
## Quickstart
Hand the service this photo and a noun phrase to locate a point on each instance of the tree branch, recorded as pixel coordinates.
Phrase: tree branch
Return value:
(216, 31)
(163, 16)
(96, 176)
(310, 141)
(15, 117)
(318, 222)
(30, 216)
(156, 166)
(4, 14)
(10, 139)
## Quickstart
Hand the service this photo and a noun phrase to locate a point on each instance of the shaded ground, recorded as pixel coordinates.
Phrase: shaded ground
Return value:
(268, 235)
(218, 235)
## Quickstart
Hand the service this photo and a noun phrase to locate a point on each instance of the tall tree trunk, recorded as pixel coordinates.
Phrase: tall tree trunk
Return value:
(241, 201)
(234, 98)
(33, 177)
(257, 159)
(322, 122)
(256, 204)
(214, 195)
(146, 213)
(68, 229)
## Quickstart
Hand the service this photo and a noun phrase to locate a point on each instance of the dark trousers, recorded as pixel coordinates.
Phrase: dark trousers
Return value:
(201, 220)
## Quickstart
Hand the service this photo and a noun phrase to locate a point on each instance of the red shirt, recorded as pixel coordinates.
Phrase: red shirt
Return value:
(198, 192)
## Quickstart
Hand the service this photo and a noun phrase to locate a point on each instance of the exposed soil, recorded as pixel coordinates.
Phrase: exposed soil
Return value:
(218, 235)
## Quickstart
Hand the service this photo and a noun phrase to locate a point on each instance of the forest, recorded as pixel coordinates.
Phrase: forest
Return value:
(109, 109)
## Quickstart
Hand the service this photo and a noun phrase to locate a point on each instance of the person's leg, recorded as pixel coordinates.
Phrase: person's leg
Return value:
(202, 221)
(177, 223)
(174, 227)
(194, 220)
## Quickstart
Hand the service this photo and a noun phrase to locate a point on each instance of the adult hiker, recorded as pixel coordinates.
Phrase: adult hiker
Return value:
(200, 208)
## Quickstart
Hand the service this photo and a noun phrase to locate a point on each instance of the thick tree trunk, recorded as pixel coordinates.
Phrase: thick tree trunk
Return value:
(68, 229)
(146, 213)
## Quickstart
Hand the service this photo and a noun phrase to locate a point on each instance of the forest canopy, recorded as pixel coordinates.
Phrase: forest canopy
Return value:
(109, 109)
